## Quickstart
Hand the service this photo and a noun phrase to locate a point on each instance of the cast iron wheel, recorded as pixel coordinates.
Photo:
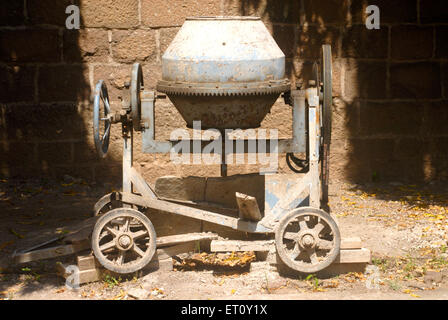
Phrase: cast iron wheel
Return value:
(124, 240)
(327, 103)
(101, 139)
(307, 240)
(136, 89)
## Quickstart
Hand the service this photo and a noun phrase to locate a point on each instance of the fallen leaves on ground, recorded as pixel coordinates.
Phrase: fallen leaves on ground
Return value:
(18, 235)
(5, 244)
(410, 292)
(122, 295)
(234, 259)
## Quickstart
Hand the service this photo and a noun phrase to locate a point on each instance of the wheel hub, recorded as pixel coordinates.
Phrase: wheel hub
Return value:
(308, 241)
(124, 242)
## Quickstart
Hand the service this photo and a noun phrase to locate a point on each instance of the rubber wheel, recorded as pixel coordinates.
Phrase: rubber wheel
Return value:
(124, 240)
(307, 239)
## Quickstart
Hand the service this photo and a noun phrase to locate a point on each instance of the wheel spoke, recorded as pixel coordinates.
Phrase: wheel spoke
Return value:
(324, 244)
(107, 246)
(296, 252)
(303, 225)
(290, 235)
(106, 104)
(125, 226)
(313, 257)
(318, 228)
(106, 133)
(138, 251)
(120, 258)
(139, 234)
(111, 230)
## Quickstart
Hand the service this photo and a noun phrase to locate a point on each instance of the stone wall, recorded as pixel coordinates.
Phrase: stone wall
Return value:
(390, 85)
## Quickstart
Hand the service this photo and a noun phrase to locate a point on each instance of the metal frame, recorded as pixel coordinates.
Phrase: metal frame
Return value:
(136, 191)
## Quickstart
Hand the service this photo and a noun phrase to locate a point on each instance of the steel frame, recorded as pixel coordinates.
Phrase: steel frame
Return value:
(136, 191)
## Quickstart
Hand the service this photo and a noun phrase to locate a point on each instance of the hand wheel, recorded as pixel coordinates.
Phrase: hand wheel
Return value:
(101, 122)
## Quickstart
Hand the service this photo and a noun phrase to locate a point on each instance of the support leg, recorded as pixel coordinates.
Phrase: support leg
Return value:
(314, 142)
(127, 160)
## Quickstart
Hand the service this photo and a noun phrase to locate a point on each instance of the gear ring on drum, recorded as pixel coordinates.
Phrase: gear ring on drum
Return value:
(223, 88)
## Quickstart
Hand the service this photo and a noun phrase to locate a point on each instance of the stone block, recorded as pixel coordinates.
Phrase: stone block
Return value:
(160, 13)
(130, 46)
(30, 45)
(411, 42)
(17, 83)
(360, 42)
(86, 45)
(64, 83)
(110, 13)
(311, 38)
(415, 80)
(365, 80)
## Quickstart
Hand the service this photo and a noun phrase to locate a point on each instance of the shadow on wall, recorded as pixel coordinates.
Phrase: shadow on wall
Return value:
(45, 100)
(388, 110)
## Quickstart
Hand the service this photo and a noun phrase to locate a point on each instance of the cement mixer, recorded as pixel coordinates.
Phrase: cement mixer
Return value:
(226, 73)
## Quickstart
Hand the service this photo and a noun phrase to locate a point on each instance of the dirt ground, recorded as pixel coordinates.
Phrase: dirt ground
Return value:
(405, 227)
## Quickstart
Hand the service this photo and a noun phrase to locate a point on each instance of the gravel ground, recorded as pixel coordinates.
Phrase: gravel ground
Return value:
(403, 225)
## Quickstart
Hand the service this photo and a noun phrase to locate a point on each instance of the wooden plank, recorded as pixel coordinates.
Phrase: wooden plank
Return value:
(237, 245)
(266, 245)
(85, 276)
(183, 210)
(86, 262)
(351, 243)
(168, 252)
(187, 237)
(49, 253)
(354, 256)
(248, 207)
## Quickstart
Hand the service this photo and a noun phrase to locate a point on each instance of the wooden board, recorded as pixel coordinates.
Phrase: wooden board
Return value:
(86, 262)
(171, 251)
(248, 207)
(182, 238)
(85, 276)
(351, 243)
(266, 245)
(49, 253)
(354, 256)
(239, 245)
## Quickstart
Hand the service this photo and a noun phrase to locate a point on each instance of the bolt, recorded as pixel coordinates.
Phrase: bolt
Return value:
(308, 240)
(124, 241)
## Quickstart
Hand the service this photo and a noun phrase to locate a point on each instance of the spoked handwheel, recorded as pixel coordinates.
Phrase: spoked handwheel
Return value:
(307, 240)
(124, 240)
(326, 90)
(101, 122)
